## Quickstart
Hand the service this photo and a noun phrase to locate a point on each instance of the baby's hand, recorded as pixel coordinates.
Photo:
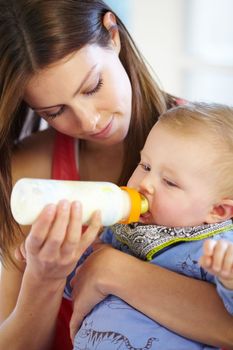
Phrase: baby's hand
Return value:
(217, 259)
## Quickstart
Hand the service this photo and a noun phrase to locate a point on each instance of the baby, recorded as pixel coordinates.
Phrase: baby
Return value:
(185, 172)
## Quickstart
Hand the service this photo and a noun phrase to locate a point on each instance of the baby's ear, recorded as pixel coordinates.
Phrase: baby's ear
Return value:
(220, 211)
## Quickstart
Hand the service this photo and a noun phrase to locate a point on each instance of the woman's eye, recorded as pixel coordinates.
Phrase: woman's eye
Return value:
(145, 167)
(48, 115)
(170, 183)
(95, 89)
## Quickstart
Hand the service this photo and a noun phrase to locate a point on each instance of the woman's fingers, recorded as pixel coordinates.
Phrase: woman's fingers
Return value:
(61, 227)
(78, 239)
(55, 242)
(58, 229)
(40, 229)
(92, 231)
(74, 229)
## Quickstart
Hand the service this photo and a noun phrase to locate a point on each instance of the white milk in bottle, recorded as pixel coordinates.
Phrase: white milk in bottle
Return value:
(116, 204)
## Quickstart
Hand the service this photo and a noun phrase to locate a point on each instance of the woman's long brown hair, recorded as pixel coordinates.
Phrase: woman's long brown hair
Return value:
(37, 33)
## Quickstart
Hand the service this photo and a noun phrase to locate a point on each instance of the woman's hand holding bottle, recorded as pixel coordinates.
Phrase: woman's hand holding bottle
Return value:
(56, 242)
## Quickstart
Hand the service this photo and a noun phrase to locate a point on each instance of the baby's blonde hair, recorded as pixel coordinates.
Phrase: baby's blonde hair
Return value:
(213, 122)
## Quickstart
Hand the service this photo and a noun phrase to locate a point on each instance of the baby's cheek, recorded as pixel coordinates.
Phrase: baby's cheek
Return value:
(165, 214)
(158, 211)
(154, 212)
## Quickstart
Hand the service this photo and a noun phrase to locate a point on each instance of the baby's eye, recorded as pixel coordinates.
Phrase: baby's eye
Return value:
(145, 167)
(170, 183)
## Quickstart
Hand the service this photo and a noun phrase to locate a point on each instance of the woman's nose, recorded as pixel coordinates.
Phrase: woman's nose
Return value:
(89, 123)
(87, 118)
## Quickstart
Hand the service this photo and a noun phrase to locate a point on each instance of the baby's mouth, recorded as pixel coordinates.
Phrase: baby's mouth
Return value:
(146, 218)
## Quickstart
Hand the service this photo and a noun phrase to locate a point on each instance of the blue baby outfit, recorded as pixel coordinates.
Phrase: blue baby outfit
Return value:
(113, 324)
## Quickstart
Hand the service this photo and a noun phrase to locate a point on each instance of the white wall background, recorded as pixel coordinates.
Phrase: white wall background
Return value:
(189, 44)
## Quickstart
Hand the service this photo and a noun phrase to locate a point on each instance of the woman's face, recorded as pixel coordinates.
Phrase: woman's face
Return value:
(86, 95)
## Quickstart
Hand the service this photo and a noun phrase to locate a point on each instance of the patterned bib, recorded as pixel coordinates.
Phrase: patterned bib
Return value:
(145, 241)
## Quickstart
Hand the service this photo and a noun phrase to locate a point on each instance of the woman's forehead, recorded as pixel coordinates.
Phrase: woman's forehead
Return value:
(67, 74)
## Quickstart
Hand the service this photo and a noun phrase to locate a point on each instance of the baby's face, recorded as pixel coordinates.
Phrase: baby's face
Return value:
(176, 175)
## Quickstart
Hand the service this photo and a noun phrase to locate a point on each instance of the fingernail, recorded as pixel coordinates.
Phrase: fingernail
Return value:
(77, 204)
(50, 208)
(225, 273)
(64, 204)
(216, 269)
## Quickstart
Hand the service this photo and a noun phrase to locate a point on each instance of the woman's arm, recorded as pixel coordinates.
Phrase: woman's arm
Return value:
(187, 306)
(27, 320)
(31, 304)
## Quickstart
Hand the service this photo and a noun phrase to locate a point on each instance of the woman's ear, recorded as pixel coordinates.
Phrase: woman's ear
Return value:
(109, 22)
(220, 211)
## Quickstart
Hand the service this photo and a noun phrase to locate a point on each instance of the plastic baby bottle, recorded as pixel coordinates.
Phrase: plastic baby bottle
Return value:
(117, 204)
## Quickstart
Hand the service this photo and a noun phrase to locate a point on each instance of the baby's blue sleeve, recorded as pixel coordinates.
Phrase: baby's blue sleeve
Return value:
(226, 295)
(68, 289)
(107, 236)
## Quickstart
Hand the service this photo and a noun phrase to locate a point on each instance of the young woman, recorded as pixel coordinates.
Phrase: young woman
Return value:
(74, 64)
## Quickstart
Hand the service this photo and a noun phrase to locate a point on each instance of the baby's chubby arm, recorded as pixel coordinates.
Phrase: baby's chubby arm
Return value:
(217, 259)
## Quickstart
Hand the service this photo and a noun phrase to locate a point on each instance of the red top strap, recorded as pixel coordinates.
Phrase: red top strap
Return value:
(64, 168)
(64, 160)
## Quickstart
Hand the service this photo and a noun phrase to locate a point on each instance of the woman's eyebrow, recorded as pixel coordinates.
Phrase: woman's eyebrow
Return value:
(74, 94)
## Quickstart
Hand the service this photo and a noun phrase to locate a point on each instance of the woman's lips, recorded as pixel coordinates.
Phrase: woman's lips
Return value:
(104, 132)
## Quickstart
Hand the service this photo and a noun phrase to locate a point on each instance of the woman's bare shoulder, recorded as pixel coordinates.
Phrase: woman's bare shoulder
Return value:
(32, 157)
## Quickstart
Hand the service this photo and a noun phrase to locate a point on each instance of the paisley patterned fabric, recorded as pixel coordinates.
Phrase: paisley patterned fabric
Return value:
(145, 241)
